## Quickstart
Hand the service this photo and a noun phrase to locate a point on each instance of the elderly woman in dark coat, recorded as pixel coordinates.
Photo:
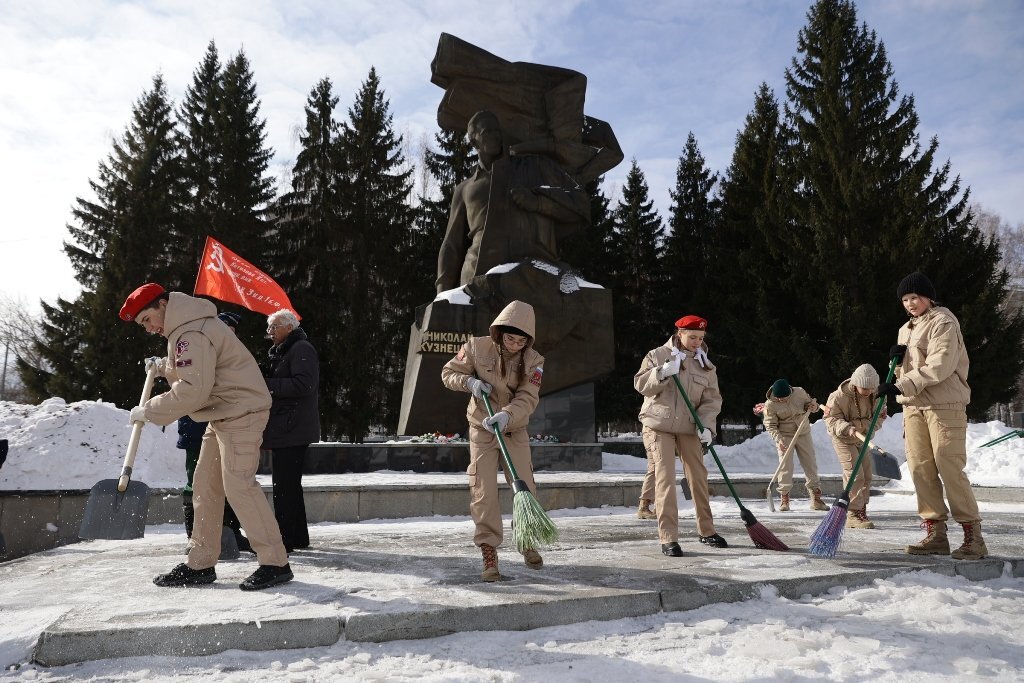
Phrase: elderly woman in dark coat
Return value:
(293, 377)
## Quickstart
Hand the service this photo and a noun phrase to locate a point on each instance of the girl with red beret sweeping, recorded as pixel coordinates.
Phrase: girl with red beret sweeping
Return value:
(669, 428)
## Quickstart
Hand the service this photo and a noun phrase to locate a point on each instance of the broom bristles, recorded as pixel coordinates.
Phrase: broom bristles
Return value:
(828, 536)
(531, 527)
(765, 539)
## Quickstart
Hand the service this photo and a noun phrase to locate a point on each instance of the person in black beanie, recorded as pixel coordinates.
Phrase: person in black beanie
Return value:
(292, 371)
(931, 385)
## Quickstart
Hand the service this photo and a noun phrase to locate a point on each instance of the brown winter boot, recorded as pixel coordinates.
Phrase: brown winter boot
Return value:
(644, 510)
(935, 541)
(784, 504)
(533, 559)
(858, 519)
(974, 545)
(490, 572)
(816, 502)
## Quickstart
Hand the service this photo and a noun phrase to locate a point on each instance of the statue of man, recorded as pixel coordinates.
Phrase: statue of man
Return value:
(511, 208)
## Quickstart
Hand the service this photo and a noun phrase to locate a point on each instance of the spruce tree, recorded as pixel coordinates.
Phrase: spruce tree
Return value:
(119, 241)
(200, 142)
(243, 188)
(312, 247)
(376, 197)
(637, 281)
(748, 258)
(689, 247)
(868, 206)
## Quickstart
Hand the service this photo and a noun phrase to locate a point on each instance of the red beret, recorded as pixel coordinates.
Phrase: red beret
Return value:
(691, 322)
(139, 299)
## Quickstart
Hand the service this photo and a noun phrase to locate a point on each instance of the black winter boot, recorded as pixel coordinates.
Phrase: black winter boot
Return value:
(266, 576)
(184, 575)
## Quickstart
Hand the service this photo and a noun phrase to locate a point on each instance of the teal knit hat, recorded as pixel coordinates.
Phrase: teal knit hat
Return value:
(781, 388)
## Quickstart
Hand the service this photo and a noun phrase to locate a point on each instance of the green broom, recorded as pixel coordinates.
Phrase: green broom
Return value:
(826, 538)
(531, 526)
(760, 534)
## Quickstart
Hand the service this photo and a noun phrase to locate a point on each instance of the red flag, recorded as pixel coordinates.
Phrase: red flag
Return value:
(225, 275)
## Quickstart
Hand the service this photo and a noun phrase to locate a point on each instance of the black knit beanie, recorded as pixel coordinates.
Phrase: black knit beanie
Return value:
(781, 388)
(916, 283)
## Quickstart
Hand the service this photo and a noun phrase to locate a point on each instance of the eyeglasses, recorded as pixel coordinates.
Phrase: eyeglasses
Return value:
(514, 340)
(271, 328)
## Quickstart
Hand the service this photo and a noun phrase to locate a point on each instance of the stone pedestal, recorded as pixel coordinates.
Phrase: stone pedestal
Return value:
(574, 334)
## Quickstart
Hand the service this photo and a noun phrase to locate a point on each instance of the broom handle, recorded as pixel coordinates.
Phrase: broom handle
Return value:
(501, 442)
(871, 444)
(133, 441)
(711, 447)
(871, 431)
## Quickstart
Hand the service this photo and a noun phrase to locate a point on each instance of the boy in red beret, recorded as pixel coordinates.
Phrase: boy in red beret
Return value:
(213, 379)
(669, 428)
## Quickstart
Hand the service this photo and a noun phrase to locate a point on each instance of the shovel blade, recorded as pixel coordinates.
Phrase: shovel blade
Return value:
(116, 516)
(885, 464)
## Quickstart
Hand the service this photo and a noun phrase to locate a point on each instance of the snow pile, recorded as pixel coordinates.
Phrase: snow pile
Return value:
(998, 465)
(61, 446)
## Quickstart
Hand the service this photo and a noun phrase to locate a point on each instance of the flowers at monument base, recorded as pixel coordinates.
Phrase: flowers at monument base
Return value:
(438, 437)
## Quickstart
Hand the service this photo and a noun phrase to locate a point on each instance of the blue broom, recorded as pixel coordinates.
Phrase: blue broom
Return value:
(828, 536)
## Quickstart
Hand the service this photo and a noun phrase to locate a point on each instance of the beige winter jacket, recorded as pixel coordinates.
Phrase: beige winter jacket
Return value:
(933, 372)
(846, 409)
(479, 357)
(211, 373)
(663, 408)
(781, 418)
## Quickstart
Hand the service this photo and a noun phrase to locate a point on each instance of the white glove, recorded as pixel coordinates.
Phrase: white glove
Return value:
(499, 419)
(706, 437)
(478, 387)
(138, 414)
(670, 367)
(701, 357)
(158, 362)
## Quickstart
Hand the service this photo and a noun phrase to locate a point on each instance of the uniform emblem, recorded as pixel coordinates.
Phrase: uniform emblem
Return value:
(183, 363)
(181, 347)
(538, 375)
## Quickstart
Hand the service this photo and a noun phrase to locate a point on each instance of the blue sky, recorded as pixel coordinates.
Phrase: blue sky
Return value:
(657, 70)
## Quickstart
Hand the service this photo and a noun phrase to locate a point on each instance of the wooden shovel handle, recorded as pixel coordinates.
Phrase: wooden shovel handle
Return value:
(133, 441)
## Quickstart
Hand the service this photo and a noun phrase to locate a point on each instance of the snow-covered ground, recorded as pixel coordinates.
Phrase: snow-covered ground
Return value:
(57, 445)
(914, 627)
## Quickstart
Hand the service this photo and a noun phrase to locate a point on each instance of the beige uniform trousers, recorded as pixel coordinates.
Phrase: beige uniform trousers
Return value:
(484, 460)
(227, 466)
(936, 445)
(661, 451)
(847, 452)
(804, 449)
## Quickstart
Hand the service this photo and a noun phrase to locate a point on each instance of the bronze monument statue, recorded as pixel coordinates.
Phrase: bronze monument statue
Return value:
(536, 151)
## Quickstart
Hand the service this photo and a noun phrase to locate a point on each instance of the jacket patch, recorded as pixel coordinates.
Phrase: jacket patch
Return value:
(181, 347)
(183, 363)
(538, 375)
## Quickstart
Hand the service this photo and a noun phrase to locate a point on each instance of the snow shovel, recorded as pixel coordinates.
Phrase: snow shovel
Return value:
(785, 457)
(116, 509)
(1004, 437)
(885, 463)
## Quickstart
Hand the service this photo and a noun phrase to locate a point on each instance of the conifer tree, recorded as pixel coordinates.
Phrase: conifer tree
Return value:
(200, 142)
(637, 281)
(312, 249)
(868, 206)
(376, 208)
(689, 247)
(119, 241)
(749, 258)
(243, 190)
